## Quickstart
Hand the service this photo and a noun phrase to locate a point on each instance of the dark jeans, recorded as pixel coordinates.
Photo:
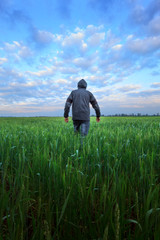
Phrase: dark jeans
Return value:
(81, 127)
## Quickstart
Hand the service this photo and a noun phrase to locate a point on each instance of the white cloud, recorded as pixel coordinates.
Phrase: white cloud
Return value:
(10, 47)
(25, 85)
(129, 88)
(48, 71)
(155, 85)
(42, 37)
(68, 70)
(146, 45)
(146, 94)
(139, 14)
(62, 81)
(117, 47)
(82, 62)
(154, 25)
(110, 40)
(73, 39)
(94, 69)
(81, 39)
(17, 50)
(84, 46)
(3, 60)
(97, 78)
(93, 53)
(91, 29)
(25, 52)
(129, 37)
(96, 38)
(8, 75)
(142, 14)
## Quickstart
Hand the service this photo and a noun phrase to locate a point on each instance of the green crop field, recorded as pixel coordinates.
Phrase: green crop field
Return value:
(53, 187)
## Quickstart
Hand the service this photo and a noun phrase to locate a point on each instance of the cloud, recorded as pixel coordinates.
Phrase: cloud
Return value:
(68, 70)
(96, 39)
(3, 5)
(102, 5)
(149, 62)
(129, 102)
(14, 16)
(155, 73)
(62, 81)
(31, 108)
(146, 93)
(47, 71)
(143, 15)
(16, 51)
(3, 60)
(9, 75)
(154, 25)
(145, 45)
(19, 87)
(19, 16)
(94, 53)
(63, 7)
(110, 40)
(41, 37)
(91, 29)
(71, 45)
(83, 63)
(117, 47)
(73, 39)
(81, 40)
(129, 88)
(120, 56)
(155, 85)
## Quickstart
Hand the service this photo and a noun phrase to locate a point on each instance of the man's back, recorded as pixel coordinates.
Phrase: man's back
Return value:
(80, 100)
(80, 105)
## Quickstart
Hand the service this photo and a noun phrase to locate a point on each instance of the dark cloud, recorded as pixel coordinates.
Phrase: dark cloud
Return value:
(128, 88)
(142, 15)
(18, 16)
(3, 6)
(40, 38)
(13, 15)
(147, 93)
(107, 10)
(103, 5)
(155, 73)
(155, 85)
(9, 75)
(153, 9)
(18, 94)
(154, 25)
(64, 8)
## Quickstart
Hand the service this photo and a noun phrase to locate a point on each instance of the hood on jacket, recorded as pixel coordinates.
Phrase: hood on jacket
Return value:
(82, 84)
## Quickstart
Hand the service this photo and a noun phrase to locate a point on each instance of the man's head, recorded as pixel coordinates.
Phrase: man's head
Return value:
(82, 84)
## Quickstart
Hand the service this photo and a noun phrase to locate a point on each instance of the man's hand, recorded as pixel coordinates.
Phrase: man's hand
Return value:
(98, 119)
(66, 120)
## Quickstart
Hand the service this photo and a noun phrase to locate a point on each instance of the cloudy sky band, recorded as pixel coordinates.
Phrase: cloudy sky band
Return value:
(43, 58)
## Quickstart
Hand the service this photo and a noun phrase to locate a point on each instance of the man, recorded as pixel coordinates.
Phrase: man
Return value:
(80, 100)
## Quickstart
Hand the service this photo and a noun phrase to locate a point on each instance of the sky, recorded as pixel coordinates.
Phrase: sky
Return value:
(46, 47)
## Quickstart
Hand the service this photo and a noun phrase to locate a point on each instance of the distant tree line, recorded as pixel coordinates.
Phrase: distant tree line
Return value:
(129, 115)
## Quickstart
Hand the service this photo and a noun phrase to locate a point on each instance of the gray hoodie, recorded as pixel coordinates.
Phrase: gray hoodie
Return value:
(80, 100)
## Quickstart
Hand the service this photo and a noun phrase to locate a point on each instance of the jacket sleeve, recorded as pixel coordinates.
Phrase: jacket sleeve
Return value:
(68, 105)
(95, 105)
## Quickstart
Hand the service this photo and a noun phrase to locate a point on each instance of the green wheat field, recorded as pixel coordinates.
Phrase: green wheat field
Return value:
(54, 187)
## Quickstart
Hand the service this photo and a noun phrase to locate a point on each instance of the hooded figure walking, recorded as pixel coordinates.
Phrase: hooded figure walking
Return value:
(80, 99)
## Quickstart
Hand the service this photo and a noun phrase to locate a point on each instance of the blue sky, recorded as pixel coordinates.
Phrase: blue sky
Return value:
(46, 47)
